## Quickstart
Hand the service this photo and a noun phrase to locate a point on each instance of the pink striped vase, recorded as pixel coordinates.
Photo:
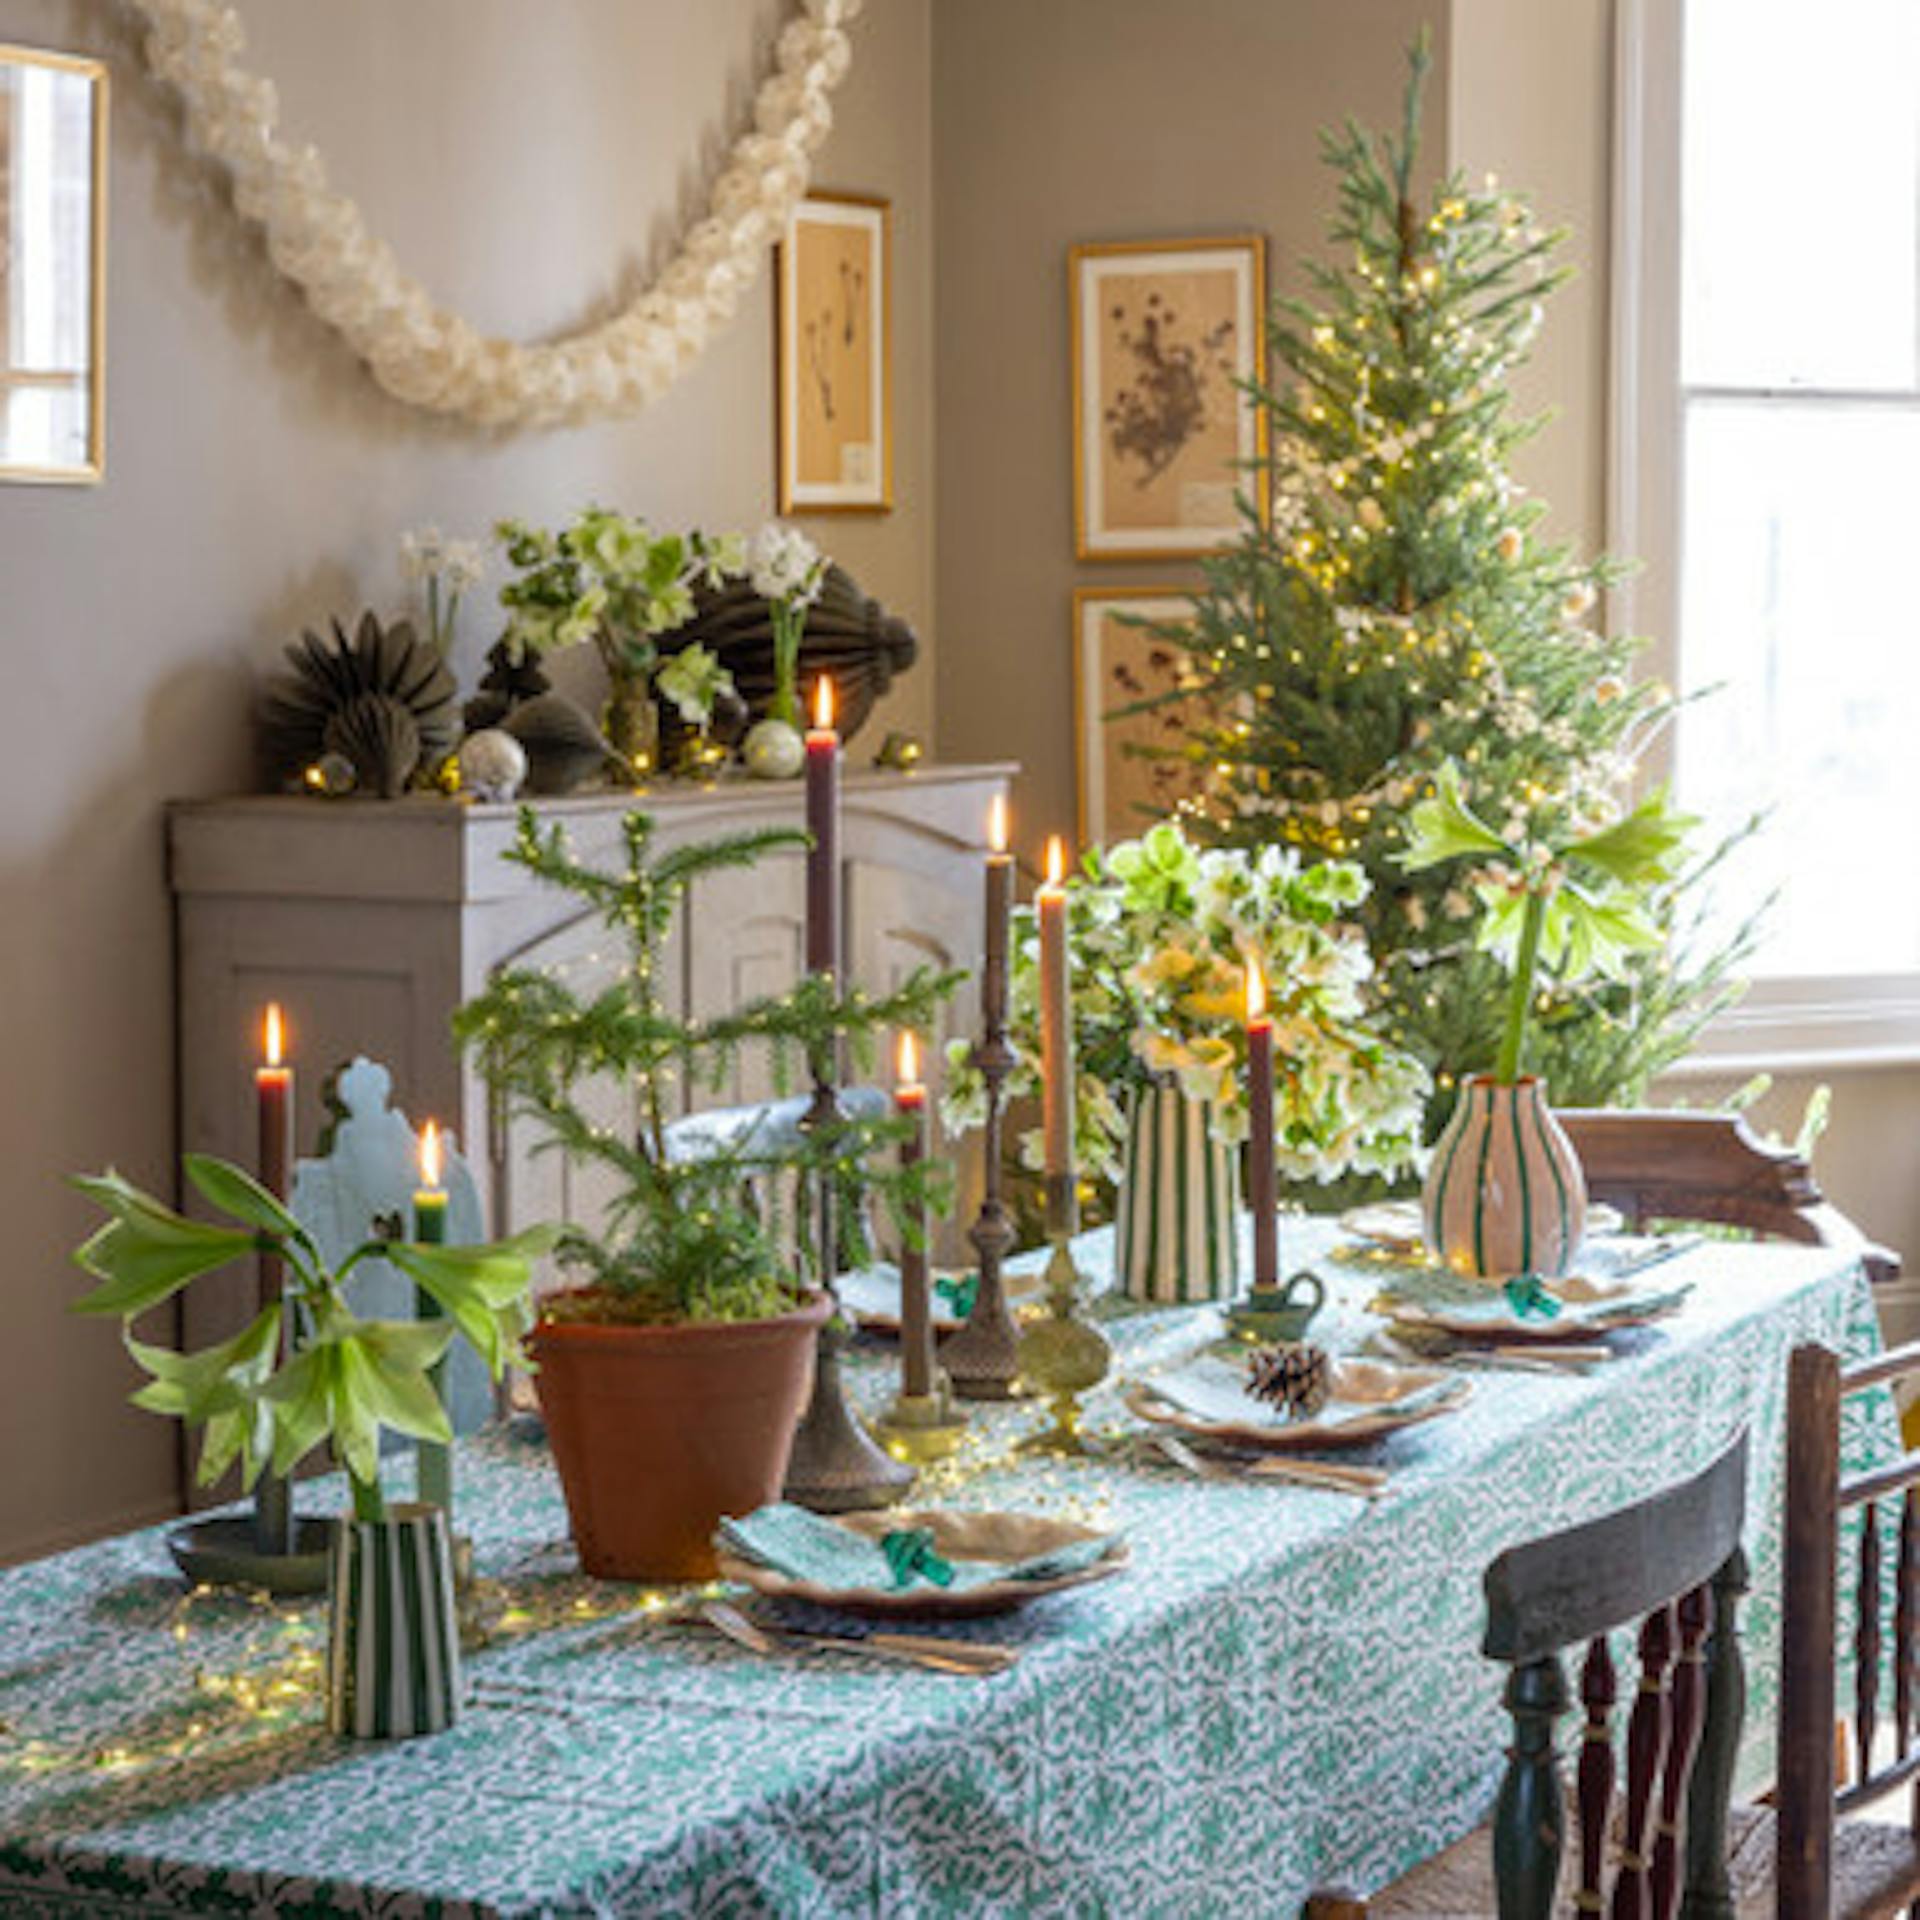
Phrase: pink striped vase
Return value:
(1505, 1194)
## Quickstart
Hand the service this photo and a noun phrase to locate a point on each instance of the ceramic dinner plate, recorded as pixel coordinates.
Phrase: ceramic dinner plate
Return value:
(956, 1536)
(1371, 1398)
(1486, 1310)
(1397, 1224)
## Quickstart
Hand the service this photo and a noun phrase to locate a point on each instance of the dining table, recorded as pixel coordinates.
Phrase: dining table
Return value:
(1281, 1690)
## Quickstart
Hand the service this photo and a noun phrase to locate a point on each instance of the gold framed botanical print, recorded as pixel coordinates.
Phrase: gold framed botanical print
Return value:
(834, 358)
(1163, 433)
(1135, 767)
(53, 251)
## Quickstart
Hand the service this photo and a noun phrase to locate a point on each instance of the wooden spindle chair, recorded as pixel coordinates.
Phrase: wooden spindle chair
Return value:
(1673, 1565)
(1711, 1167)
(1824, 1865)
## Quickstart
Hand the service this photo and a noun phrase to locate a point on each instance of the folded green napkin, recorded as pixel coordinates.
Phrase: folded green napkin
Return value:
(808, 1548)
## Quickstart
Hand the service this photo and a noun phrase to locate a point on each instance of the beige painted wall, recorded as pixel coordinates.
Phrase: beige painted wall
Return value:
(1098, 120)
(258, 480)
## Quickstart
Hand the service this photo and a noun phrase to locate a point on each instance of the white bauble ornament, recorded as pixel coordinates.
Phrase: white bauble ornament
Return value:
(774, 751)
(492, 765)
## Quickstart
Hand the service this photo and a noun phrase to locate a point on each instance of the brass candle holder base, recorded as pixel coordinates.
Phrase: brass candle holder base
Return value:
(923, 1427)
(1062, 1358)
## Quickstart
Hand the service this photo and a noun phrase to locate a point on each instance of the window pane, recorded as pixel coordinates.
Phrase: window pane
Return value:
(1800, 169)
(1794, 600)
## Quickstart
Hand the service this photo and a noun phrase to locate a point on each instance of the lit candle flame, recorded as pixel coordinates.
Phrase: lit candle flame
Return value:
(1256, 992)
(997, 824)
(1056, 860)
(430, 1154)
(275, 1034)
(907, 1061)
(823, 703)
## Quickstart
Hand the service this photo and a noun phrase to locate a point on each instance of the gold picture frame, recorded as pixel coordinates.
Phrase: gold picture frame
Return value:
(1114, 664)
(53, 267)
(1163, 440)
(833, 357)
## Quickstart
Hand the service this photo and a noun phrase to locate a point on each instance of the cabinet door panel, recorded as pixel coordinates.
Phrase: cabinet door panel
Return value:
(747, 939)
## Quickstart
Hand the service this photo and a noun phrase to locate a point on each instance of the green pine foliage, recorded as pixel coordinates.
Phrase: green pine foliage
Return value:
(1399, 610)
(683, 1240)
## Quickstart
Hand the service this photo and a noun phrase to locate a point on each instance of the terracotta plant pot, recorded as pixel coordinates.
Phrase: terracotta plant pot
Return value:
(1504, 1193)
(658, 1431)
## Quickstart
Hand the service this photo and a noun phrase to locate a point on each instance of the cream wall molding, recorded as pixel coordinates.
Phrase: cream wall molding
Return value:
(429, 357)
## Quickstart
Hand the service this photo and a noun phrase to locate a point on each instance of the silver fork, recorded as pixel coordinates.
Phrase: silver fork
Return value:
(979, 1659)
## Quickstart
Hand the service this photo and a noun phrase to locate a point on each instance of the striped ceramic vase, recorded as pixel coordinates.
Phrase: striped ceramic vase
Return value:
(393, 1655)
(1505, 1194)
(1179, 1202)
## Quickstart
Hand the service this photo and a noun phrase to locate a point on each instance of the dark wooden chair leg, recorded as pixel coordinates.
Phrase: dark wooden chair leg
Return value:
(1709, 1891)
(1528, 1818)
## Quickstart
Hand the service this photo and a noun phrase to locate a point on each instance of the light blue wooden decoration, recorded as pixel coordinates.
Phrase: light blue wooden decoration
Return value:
(365, 1184)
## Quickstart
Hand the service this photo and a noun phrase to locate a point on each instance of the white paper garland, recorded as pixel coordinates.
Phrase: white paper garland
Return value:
(432, 358)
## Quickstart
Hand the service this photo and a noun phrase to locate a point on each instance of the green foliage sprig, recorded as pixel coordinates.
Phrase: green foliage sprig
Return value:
(306, 1369)
(682, 1238)
(612, 580)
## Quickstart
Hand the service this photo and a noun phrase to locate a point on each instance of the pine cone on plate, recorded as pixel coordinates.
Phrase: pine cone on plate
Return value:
(1296, 1377)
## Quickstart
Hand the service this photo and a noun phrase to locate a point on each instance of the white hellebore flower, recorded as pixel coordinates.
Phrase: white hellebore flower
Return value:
(783, 564)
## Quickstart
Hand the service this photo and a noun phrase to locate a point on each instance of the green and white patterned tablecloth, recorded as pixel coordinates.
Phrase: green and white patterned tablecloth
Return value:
(1282, 1691)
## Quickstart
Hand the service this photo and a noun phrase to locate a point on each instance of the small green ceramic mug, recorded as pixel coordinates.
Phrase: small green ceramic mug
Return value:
(1280, 1313)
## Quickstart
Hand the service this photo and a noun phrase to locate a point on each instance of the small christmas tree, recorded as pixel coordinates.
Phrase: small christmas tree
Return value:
(1398, 611)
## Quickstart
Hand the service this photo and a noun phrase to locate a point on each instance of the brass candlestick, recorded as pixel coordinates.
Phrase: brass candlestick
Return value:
(982, 1357)
(835, 1466)
(1063, 1356)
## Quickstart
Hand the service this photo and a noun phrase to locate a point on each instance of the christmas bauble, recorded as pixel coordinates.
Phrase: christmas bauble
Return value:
(492, 764)
(774, 751)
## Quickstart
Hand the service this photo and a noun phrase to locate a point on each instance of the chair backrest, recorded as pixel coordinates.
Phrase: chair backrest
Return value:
(1672, 1566)
(1818, 1492)
(1656, 1165)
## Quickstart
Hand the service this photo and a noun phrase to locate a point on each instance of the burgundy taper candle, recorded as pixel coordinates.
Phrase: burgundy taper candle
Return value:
(823, 823)
(1262, 1188)
(993, 975)
(273, 1094)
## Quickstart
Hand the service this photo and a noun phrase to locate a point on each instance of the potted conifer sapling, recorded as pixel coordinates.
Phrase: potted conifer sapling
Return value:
(673, 1367)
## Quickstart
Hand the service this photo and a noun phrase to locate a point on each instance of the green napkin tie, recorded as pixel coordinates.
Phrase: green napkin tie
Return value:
(910, 1556)
(1530, 1300)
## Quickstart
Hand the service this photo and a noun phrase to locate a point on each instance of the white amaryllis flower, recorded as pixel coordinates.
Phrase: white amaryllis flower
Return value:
(784, 565)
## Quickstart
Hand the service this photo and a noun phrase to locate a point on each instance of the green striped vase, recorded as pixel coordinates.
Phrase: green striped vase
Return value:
(1179, 1202)
(1504, 1194)
(393, 1655)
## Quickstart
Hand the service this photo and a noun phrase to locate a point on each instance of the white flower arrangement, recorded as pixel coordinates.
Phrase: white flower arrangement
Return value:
(787, 571)
(1161, 933)
(432, 358)
(444, 569)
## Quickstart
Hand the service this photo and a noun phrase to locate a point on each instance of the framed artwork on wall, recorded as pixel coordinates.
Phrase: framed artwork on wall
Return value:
(1162, 434)
(53, 255)
(834, 356)
(1127, 769)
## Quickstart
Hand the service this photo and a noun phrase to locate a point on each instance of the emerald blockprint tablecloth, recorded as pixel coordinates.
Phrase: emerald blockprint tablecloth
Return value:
(1283, 1690)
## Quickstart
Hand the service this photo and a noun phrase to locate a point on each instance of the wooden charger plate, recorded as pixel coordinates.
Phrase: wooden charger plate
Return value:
(956, 1536)
(1379, 1388)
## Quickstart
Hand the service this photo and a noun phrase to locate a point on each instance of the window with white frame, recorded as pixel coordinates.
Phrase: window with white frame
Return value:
(1772, 358)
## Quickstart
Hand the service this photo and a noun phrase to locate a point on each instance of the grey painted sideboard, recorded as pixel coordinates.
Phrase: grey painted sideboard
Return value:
(371, 921)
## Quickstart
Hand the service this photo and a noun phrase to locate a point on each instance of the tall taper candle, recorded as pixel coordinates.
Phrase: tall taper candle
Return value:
(993, 975)
(1262, 1191)
(916, 1306)
(273, 1523)
(1056, 1043)
(823, 823)
(433, 1460)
